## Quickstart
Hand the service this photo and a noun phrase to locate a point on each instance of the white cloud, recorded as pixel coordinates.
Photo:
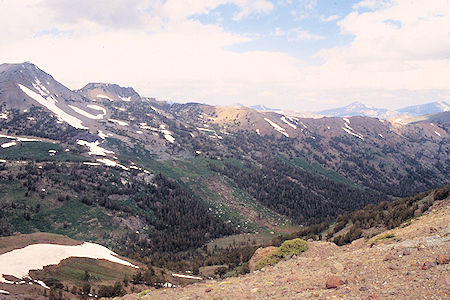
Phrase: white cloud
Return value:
(267, 94)
(414, 55)
(372, 4)
(180, 10)
(301, 9)
(329, 18)
(117, 14)
(278, 32)
(399, 51)
(252, 7)
(299, 34)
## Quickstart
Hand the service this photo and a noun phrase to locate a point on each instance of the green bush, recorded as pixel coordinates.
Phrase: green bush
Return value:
(293, 247)
(286, 250)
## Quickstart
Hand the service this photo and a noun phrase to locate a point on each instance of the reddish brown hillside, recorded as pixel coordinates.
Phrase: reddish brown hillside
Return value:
(404, 263)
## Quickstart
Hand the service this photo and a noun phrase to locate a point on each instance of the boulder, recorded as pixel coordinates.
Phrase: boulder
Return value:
(359, 243)
(427, 265)
(337, 268)
(334, 282)
(259, 254)
(442, 259)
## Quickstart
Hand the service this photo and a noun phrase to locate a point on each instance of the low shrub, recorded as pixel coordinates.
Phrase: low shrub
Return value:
(286, 250)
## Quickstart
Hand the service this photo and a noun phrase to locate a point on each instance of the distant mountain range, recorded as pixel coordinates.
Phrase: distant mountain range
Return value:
(360, 109)
(262, 107)
(426, 109)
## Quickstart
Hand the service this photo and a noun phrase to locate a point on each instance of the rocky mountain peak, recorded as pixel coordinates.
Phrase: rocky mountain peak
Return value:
(109, 91)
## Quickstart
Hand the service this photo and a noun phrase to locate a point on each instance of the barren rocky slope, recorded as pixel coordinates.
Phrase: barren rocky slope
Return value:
(410, 262)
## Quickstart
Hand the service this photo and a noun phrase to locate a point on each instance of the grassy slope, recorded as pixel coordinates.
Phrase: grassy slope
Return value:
(72, 271)
(71, 217)
(37, 151)
(195, 175)
(316, 168)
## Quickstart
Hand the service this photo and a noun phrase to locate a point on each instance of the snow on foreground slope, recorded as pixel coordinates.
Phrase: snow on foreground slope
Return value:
(20, 261)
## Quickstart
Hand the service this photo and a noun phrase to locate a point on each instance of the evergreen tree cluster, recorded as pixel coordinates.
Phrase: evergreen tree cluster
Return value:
(302, 196)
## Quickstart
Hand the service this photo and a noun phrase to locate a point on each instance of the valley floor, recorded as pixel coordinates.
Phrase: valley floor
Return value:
(404, 263)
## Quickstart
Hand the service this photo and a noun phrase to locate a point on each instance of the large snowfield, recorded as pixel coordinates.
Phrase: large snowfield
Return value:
(20, 261)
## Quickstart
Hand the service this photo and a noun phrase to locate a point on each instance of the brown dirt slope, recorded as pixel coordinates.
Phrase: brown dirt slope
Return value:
(400, 264)
(22, 240)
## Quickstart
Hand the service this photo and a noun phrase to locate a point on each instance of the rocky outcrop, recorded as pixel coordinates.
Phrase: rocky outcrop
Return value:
(259, 254)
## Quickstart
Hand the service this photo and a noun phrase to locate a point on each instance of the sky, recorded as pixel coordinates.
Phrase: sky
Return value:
(303, 55)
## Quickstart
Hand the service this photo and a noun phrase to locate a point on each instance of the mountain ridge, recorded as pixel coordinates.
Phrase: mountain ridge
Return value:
(245, 170)
(359, 109)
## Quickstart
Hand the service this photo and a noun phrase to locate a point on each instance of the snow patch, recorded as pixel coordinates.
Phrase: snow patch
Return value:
(167, 134)
(3, 292)
(170, 138)
(19, 262)
(186, 276)
(88, 163)
(94, 148)
(257, 131)
(3, 116)
(41, 283)
(104, 97)
(88, 115)
(215, 135)
(19, 139)
(96, 107)
(23, 139)
(103, 135)
(206, 129)
(162, 129)
(121, 123)
(9, 144)
(351, 131)
(50, 104)
(437, 133)
(126, 99)
(277, 127)
(400, 121)
(283, 118)
(111, 163)
(155, 109)
(40, 88)
(346, 120)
